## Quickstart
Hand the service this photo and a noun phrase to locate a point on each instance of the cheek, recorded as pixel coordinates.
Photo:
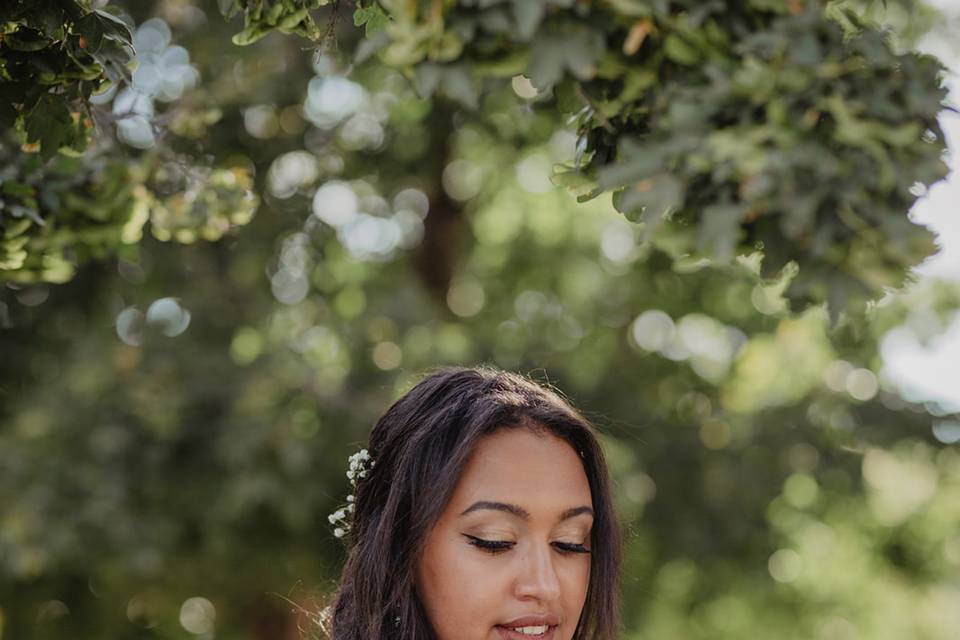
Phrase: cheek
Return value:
(459, 588)
(575, 580)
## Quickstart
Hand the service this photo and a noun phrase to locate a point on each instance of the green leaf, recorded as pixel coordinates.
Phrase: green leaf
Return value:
(506, 67)
(635, 168)
(250, 34)
(91, 29)
(17, 189)
(638, 160)
(720, 230)
(680, 51)
(528, 14)
(228, 8)
(650, 201)
(576, 182)
(455, 81)
(111, 45)
(27, 40)
(48, 123)
(574, 48)
(17, 228)
(371, 17)
(114, 27)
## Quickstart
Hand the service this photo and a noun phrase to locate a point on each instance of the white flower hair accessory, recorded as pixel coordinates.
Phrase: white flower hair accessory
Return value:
(360, 464)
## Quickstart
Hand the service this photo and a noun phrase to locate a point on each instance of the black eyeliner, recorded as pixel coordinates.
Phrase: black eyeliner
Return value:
(496, 546)
(493, 546)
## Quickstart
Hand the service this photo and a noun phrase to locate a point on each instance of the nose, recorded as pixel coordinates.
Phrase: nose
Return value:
(538, 577)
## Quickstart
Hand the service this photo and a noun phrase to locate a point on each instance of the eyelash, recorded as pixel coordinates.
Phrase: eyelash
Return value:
(495, 547)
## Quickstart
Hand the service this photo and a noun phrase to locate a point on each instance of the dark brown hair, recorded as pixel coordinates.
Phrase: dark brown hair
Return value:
(420, 447)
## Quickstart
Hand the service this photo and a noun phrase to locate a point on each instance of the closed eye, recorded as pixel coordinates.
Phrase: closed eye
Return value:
(490, 546)
(499, 546)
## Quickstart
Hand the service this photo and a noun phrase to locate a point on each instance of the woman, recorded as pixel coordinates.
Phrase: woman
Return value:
(483, 512)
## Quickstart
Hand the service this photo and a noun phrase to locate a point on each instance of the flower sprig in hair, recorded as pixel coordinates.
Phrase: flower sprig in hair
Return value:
(358, 468)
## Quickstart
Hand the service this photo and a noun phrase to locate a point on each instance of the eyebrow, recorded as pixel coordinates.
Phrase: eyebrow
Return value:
(520, 512)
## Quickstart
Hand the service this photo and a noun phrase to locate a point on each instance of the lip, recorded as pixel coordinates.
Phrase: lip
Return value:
(534, 620)
(551, 621)
(510, 634)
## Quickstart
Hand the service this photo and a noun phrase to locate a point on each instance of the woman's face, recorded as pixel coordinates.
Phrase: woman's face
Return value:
(509, 558)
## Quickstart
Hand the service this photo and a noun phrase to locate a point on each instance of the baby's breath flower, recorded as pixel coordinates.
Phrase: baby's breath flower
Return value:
(358, 466)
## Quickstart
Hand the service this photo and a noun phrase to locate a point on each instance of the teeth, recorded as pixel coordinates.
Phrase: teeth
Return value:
(532, 631)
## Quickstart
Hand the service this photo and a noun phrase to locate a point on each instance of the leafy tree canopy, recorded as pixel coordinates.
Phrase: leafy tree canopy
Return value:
(790, 136)
(69, 195)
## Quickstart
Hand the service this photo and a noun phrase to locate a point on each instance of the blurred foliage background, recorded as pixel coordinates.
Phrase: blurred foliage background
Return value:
(175, 417)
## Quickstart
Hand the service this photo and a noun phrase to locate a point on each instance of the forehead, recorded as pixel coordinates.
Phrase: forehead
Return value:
(537, 471)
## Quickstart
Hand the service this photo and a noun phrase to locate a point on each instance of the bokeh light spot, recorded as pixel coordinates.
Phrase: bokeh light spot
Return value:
(715, 434)
(800, 490)
(246, 345)
(387, 355)
(198, 615)
(129, 325)
(652, 330)
(462, 179)
(335, 203)
(168, 316)
(862, 384)
(947, 431)
(785, 565)
(466, 298)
